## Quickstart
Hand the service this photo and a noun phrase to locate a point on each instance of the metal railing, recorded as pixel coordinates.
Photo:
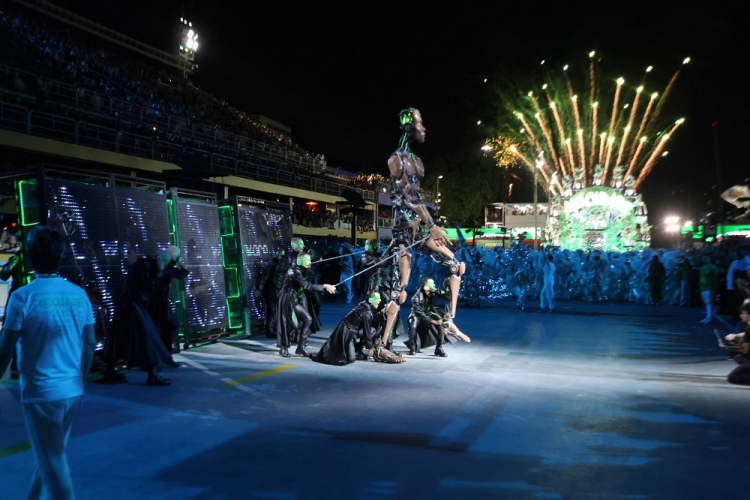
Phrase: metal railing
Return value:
(124, 110)
(40, 124)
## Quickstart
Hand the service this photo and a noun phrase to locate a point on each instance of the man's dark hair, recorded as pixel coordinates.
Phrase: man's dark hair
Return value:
(745, 308)
(424, 281)
(46, 247)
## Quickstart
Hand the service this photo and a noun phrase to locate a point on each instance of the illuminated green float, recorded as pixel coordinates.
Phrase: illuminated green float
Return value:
(600, 218)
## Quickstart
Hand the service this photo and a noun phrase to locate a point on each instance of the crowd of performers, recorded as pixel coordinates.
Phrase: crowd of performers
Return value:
(368, 330)
(416, 258)
(419, 250)
(365, 332)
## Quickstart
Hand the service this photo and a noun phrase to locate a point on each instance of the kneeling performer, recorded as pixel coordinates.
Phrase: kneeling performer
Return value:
(289, 306)
(357, 326)
(428, 324)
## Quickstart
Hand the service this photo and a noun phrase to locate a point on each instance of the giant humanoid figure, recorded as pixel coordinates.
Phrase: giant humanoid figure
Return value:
(407, 171)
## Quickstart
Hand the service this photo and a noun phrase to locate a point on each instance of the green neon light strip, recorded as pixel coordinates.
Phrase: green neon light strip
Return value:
(231, 325)
(228, 216)
(235, 281)
(21, 203)
(172, 221)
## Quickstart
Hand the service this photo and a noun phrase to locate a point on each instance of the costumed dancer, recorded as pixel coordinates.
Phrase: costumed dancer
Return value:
(548, 290)
(270, 283)
(429, 324)
(356, 327)
(133, 336)
(521, 273)
(305, 298)
(407, 171)
(293, 316)
(171, 266)
(656, 273)
(380, 280)
(708, 284)
(347, 271)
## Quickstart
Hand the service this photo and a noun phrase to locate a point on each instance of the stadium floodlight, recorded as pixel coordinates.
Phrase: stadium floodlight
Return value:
(186, 39)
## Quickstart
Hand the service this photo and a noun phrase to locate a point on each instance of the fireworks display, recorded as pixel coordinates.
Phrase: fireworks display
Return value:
(587, 129)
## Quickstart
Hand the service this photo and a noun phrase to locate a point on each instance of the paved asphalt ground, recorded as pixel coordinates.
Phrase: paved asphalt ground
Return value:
(592, 401)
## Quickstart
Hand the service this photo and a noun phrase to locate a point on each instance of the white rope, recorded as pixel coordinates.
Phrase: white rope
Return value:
(379, 263)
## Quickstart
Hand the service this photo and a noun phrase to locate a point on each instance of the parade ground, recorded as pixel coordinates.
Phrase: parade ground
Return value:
(592, 401)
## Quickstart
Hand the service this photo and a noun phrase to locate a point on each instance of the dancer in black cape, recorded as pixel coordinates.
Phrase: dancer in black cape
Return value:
(292, 315)
(171, 267)
(356, 327)
(307, 298)
(133, 336)
(429, 324)
(381, 281)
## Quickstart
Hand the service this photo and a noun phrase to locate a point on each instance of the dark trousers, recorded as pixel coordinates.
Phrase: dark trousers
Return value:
(741, 374)
(428, 325)
(656, 291)
(301, 332)
(271, 301)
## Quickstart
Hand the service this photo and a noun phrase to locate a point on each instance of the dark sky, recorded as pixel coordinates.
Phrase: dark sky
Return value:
(339, 76)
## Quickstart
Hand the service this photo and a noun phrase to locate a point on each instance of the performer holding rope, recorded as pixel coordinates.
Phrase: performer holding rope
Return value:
(407, 171)
(293, 317)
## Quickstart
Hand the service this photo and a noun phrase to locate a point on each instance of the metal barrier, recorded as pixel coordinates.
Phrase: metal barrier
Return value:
(154, 118)
(223, 163)
(14, 118)
(125, 110)
(62, 92)
(52, 126)
(96, 136)
(135, 145)
(20, 119)
(81, 97)
(166, 151)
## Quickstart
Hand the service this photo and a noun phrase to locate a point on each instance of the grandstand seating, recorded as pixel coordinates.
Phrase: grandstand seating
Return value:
(90, 98)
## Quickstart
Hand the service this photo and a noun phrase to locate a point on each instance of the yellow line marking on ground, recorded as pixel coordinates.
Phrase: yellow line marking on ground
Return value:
(260, 375)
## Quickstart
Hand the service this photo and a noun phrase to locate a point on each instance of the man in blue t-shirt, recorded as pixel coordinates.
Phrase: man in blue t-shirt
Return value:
(51, 323)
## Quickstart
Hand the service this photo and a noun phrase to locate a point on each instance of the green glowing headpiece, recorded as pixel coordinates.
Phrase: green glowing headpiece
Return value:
(374, 299)
(304, 260)
(429, 284)
(406, 118)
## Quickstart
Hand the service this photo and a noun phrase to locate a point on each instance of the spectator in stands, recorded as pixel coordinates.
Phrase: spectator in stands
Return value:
(52, 322)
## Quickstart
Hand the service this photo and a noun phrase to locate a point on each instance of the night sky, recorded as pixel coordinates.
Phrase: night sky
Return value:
(339, 76)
